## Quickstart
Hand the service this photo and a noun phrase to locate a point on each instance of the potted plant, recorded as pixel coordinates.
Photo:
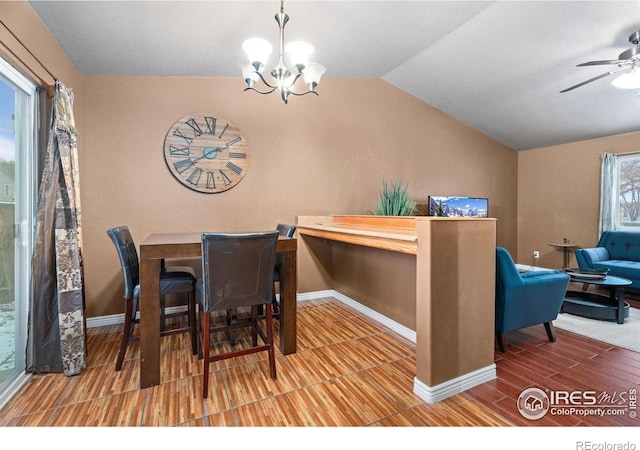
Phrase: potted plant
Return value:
(394, 200)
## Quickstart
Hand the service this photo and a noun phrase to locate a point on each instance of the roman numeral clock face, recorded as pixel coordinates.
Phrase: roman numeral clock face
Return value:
(206, 153)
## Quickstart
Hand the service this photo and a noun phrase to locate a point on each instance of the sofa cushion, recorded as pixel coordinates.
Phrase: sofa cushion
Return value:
(617, 268)
(622, 245)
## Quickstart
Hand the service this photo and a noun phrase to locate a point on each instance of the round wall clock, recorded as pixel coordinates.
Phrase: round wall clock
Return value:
(206, 153)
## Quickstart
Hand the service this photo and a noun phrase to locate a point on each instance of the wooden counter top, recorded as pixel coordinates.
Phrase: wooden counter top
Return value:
(384, 232)
(387, 233)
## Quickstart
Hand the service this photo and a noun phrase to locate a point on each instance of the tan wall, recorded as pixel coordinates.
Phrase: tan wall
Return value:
(316, 156)
(559, 195)
(382, 280)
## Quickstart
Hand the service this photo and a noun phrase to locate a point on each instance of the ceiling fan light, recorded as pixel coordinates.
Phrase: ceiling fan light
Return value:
(630, 80)
(258, 50)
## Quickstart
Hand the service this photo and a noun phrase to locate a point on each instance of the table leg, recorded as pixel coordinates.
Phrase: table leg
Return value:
(288, 303)
(149, 322)
(619, 299)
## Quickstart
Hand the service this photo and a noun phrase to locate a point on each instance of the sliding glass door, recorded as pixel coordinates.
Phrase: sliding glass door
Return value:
(17, 210)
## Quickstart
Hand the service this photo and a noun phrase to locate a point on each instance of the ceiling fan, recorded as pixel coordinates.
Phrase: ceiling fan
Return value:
(627, 60)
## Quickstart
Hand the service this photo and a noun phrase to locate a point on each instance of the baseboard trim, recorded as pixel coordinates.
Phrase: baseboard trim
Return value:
(103, 321)
(116, 319)
(403, 331)
(434, 394)
(314, 295)
(407, 333)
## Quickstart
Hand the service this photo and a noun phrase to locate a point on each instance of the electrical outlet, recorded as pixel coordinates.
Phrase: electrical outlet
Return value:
(536, 254)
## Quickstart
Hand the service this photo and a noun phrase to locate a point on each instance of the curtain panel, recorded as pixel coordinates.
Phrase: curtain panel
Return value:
(57, 325)
(608, 192)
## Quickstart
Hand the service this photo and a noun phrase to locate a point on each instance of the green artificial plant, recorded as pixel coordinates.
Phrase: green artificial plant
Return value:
(394, 200)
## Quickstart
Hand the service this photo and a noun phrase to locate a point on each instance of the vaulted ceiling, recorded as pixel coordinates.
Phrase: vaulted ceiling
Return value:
(497, 66)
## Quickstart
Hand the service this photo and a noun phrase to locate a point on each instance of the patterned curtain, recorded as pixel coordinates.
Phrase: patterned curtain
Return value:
(608, 192)
(57, 327)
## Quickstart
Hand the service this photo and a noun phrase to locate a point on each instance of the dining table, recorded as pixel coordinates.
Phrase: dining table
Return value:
(182, 245)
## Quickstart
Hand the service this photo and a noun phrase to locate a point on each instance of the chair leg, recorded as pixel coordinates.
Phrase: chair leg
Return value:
(551, 331)
(502, 342)
(274, 302)
(191, 305)
(232, 316)
(272, 354)
(254, 326)
(206, 338)
(163, 313)
(127, 329)
(200, 319)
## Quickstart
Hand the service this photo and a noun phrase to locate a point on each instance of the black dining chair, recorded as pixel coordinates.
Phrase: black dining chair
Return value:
(173, 280)
(286, 231)
(237, 272)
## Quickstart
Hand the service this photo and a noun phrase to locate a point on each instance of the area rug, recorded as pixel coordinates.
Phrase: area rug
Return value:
(626, 335)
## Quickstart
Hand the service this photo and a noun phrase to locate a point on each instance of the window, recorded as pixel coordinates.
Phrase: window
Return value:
(627, 216)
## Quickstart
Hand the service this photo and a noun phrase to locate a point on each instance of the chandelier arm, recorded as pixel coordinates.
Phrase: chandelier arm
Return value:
(293, 81)
(259, 92)
(303, 93)
(265, 82)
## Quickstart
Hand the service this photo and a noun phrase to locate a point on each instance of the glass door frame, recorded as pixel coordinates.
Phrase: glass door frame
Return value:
(26, 132)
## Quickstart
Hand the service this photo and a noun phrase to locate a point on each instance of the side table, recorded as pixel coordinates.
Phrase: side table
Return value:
(565, 252)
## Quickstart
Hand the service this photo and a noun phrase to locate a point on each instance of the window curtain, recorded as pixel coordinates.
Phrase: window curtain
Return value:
(57, 326)
(608, 192)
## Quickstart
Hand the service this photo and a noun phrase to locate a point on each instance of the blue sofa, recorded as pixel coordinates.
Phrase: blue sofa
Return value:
(526, 299)
(618, 251)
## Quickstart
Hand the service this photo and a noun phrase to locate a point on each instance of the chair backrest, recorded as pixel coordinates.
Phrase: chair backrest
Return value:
(237, 269)
(128, 255)
(506, 271)
(286, 230)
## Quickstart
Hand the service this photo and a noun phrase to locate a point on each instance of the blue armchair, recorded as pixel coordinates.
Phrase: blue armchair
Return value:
(526, 299)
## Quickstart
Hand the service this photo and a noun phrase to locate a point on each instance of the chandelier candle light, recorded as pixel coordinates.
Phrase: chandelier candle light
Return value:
(258, 50)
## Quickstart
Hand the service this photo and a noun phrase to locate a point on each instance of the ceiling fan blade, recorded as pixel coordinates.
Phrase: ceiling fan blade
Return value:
(592, 79)
(601, 63)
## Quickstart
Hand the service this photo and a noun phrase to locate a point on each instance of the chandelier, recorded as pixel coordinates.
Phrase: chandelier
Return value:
(284, 79)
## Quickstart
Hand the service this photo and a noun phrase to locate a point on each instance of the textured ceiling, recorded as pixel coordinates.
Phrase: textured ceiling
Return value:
(497, 66)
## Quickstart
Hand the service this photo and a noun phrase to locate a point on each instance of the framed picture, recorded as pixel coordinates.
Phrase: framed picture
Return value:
(455, 206)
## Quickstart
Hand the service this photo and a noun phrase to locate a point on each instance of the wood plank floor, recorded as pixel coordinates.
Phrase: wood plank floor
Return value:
(348, 371)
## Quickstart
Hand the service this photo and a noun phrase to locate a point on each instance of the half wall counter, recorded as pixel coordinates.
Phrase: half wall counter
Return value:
(433, 275)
